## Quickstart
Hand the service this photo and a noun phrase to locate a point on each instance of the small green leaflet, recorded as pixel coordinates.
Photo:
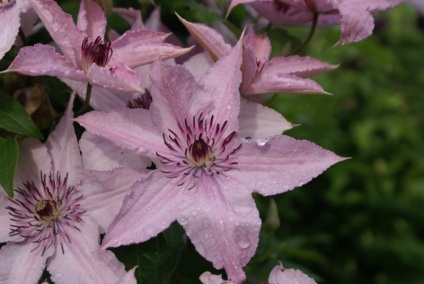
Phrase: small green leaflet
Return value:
(9, 156)
(14, 118)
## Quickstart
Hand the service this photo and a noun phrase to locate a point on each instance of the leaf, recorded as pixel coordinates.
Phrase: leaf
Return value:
(9, 155)
(157, 258)
(14, 118)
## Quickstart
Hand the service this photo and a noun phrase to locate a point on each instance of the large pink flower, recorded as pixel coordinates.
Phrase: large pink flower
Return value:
(206, 172)
(262, 75)
(354, 16)
(86, 57)
(57, 215)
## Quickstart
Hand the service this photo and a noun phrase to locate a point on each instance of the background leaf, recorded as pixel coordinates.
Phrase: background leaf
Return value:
(9, 155)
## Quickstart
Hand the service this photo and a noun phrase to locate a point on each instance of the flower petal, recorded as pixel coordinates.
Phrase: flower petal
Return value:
(82, 262)
(132, 16)
(152, 205)
(223, 224)
(129, 128)
(260, 44)
(19, 264)
(42, 59)
(209, 278)
(9, 16)
(91, 19)
(4, 217)
(280, 163)
(60, 25)
(257, 121)
(290, 276)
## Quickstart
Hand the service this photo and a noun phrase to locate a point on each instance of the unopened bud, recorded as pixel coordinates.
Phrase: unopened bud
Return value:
(272, 219)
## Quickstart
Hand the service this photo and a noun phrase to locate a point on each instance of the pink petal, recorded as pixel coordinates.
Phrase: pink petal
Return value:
(177, 96)
(209, 278)
(152, 205)
(355, 25)
(132, 16)
(223, 224)
(268, 83)
(100, 154)
(297, 65)
(60, 25)
(222, 83)
(235, 3)
(260, 44)
(249, 68)
(257, 121)
(198, 64)
(119, 77)
(42, 59)
(18, 264)
(136, 48)
(281, 275)
(208, 38)
(83, 262)
(4, 217)
(131, 129)
(280, 163)
(63, 147)
(91, 19)
(9, 16)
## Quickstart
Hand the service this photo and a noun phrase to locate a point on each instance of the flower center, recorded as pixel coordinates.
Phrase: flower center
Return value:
(5, 3)
(144, 101)
(197, 148)
(96, 52)
(44, 214)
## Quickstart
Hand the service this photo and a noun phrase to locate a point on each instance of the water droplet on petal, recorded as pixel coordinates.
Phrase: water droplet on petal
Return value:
(228, 107)
(194, 213)
(243, 210)
(261, 142)
(183, 221)
(243, 244)
(150, 231)
(59, 275)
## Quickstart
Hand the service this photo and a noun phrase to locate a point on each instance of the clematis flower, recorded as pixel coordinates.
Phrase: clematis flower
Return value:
(86, 56)
(56, 216)
(355, 17)
(206, 172)
(260, 74)
(10, 11)
(278, 275)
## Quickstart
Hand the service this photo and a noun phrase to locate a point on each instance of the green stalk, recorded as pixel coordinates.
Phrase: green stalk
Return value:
(87, 100)
(310, 35)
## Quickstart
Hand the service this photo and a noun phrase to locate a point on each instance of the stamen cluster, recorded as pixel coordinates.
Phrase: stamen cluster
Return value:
(196, 148)
(44, 215)
(144, 101)
(96, 52)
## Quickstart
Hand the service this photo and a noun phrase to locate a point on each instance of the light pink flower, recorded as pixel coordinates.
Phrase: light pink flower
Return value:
(10, 15)
(354, 16)
(55, 218)
(86, 57)
(206, 172)
(262, 75)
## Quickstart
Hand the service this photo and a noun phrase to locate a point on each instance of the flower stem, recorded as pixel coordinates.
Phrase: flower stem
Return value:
(310, 35)
(87, 100)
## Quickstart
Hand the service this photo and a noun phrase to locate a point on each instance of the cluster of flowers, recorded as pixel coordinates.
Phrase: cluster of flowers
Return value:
(210, 146)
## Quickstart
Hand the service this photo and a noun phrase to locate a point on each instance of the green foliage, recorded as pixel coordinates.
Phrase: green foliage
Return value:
(9, 155)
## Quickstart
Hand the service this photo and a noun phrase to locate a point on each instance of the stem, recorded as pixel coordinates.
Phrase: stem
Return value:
(23, 37)
(310, 35)
(87, 100)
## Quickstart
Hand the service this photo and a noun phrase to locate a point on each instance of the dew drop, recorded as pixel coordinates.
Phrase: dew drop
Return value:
(59, 275)
(194, 213)
(243, 210)
(228, 107)
(183, 221)
(150, 231)
(243, 244)
(261, 142)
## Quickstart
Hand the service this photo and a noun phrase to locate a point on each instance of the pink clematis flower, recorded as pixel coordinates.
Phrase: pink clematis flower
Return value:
(86, 57)
(278, 275)
(56, 216)
(10, 11)
(354, 16)
(206, 172)
(260, 74)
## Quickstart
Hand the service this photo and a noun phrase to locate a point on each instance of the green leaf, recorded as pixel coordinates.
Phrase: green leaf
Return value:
(14, 118)
(9, 155)
(157, 258)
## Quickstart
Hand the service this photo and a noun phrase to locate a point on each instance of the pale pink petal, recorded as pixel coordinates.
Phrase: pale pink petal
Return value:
(209, 278)
(9, 16)
(268, 83)
(176, 96)
(105, 191)
(208, 38)
(152, 205)
(101, 154)
(4, 217)
(33, 159)
(260, 44)
(237, 2)
(297, 65)
(132, 16)
(223, 224)
(42, 59)
(129, 128)
(119, 77)
(280, 163)
(249, 68)
(18, 264)
(222, 83)
(257, 121)
(63, 147)
(136, 48)
(355, 25)
(199, 64)
(280, 275)
(60, 25)
(82, 261)
(91, 19)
